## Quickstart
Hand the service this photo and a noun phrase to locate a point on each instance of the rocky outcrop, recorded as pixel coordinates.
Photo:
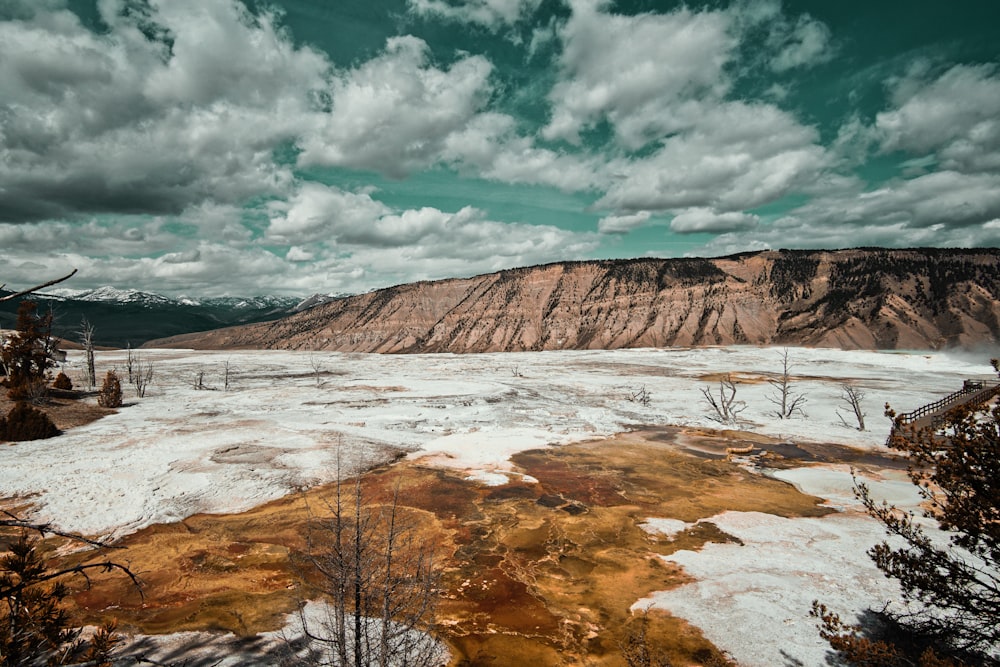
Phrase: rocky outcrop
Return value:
(855, 299)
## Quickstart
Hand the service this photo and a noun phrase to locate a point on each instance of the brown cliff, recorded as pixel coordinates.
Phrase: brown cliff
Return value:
(862, 298)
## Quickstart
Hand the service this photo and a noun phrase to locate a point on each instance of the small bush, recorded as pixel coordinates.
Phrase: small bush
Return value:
(110, 395)
(24, 422)
(62, 381)
(33, 390)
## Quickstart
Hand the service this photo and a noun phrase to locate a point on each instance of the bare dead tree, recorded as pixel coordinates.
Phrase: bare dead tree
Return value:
(86, 333)
(726, 408)
(640, 396)
(317, 367)
(381, 583)
(130, 363)
(787, 401)
(199, 382)
(141, 374)
(11, 297)
(851, 397)
(226, 373)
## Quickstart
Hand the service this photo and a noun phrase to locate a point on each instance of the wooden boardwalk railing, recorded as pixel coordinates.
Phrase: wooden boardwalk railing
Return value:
(974, 392)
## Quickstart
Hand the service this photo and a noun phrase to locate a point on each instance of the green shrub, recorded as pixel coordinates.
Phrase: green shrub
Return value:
(24, 422)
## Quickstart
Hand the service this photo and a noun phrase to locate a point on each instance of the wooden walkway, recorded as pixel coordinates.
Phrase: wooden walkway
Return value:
(974, 392)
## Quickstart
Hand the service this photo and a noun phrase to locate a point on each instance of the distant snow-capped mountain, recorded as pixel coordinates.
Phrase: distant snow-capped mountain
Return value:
(108, 294)
(130, 317)
(315, 300)
(242, 302)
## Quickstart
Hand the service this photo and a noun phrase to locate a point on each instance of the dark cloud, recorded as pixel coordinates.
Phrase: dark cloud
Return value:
(122, 123)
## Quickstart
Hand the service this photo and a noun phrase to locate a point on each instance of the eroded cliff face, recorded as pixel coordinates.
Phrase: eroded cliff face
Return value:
(888, 299)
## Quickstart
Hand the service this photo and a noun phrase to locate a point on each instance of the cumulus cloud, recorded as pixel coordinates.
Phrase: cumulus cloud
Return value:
(491, 14)
(172, 107)
(394, 113)
(170, 133)
(936, 209)
(739, 156)
(946, 198)
(806, 43)
(318, 212)
(382, 245)
(640, 73)
(98, 237)
(956, 116)
(298, 254)
(490, 147)
(207, 271)
(662, 83)
(621, 224)
(694, 220)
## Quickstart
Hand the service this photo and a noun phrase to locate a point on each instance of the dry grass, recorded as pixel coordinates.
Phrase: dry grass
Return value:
(67, 409)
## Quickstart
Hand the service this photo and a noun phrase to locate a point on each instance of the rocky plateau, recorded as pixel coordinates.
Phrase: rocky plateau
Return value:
(850, 299)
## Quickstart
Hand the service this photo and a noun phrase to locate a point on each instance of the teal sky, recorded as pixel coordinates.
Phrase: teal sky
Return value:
(212, 147)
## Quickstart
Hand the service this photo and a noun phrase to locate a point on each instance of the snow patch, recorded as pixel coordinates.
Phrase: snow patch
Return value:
(664, 527)
(753, 600)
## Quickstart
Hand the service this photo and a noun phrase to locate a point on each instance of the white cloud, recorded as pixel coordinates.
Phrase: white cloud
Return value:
(394, 113)
(316, 212)
(491, 14)
(806, 43)
(694, 220)
(642, 73)
(206, 269)
(946, 209)
(622, 224)
(956, 116)
(737, 156)
(489, 147)
(297, 254)
(120, 122)
(947, 198)
(662, 82)
(368, 244)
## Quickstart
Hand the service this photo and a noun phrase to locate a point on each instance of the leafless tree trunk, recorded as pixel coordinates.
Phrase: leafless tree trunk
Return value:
(227, 371)
(852, 396)
(725, 406)
(788, 402)
(380, 582)
(317, 366)
(130, 363)
(140, 373)
(87, 340)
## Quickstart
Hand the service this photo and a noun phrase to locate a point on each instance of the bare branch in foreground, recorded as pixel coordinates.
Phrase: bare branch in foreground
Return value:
(11, 297)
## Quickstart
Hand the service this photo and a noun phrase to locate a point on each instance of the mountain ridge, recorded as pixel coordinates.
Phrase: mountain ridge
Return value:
(122, 317)
(865, 298)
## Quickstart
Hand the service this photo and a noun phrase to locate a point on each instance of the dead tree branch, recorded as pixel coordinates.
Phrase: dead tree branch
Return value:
(852, 396)
(725, 406)
(43, 529)
(11, 297)
(787, 401)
